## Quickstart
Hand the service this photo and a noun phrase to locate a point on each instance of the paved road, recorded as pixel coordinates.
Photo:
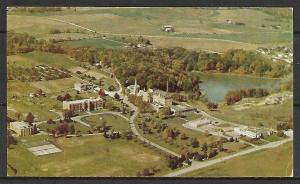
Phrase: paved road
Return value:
(132, 125)
(198, 165)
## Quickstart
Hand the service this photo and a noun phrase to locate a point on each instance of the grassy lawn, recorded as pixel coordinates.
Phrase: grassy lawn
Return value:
(269, 162)
(118, 123)
(86, 156)
(181, 146)
(273, 138)
(77, 126)
(268, 116)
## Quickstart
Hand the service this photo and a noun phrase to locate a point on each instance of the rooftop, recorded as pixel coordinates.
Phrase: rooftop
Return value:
(20, 124)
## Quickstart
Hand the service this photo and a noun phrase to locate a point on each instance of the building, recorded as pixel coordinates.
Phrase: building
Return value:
(84, 105)
(181, 109)
(288, 133)
(162, 98)
(80, 86)
(145, 96)
(168, 28)
(245, 132)
(133, 89)
(21, 128)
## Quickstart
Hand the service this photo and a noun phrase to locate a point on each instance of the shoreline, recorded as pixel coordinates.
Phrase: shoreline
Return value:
(236, 74)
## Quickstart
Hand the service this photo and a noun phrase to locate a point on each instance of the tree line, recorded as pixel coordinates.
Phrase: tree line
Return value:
(154, 67)
(234, 96)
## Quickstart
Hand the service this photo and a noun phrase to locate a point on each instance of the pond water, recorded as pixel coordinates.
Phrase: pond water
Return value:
(217, 85)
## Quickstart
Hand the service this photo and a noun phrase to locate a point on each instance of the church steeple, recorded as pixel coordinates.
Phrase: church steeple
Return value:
(135, 86)
(167, 86)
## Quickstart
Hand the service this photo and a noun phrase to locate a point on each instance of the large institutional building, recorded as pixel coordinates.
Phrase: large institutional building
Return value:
(84, 105)
(21, 128)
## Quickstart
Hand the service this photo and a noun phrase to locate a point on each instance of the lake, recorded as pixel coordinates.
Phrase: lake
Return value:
(217, 85)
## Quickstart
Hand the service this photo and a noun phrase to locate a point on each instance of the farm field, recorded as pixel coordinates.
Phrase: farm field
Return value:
(95, 42)
(206, 27)
(255, 164)
(99, 157)
(31, 59)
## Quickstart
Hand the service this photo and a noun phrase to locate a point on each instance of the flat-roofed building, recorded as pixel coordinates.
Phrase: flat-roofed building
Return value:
(84, 105)
(181, 109)
(21, 128)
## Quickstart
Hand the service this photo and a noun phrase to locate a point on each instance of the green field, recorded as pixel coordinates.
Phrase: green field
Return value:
(31, 59)
(270, 162)
(94, 42)
(118, 123)
(86, 156)
(268, 116)
(204, 26)
(78, 127)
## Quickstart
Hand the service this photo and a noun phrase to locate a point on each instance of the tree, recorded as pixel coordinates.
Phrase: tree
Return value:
(50, 121)
(67, 97)
(164, 112)
(34, 129)
(29, 118)
(204, 147)
(211, 105)
(117, 96)
(220, 147)
(72, 129)
(195, 143)
(67, 115)
(18, 115)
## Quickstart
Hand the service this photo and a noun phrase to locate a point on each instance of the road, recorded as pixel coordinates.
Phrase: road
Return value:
(198, 164)
(132, 125)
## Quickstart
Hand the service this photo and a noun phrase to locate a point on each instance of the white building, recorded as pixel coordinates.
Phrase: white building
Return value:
(21, 128)
(84, 105)
(145, 96)
(289, 132)
(162, 98)
(133, 89)
(245, 132)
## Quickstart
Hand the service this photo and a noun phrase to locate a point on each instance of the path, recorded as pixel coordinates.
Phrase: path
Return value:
(132, 125)
(198, 164)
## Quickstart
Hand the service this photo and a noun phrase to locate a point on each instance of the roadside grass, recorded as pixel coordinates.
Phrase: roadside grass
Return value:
(269, 162)
(118, 123)
(87, 156)
(273, 138)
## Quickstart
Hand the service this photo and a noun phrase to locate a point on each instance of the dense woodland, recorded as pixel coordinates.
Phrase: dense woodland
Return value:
(154, 67)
